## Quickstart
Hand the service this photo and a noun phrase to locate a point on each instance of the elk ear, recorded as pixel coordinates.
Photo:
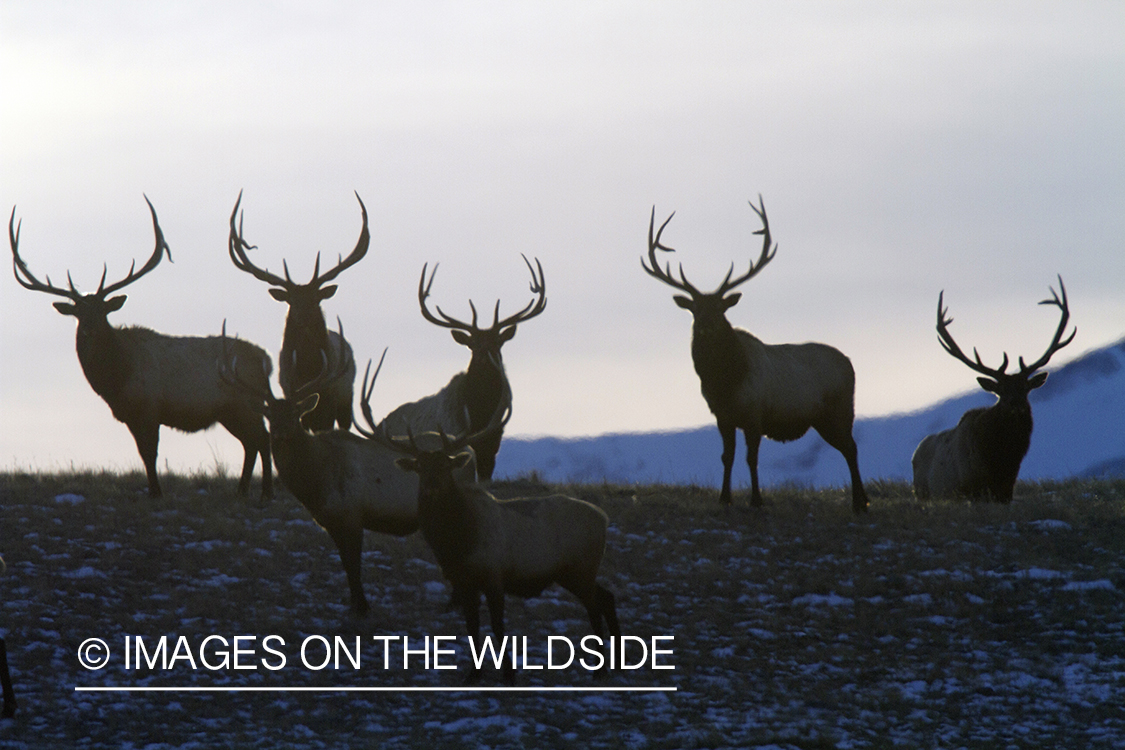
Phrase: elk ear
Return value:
(1036, 380)
(507, 334)
(684, 302)
(462, 338)
(279, 294)
(66, 308)
(327, 291)
(988, 384)
(114, 303)
(407, 463)
(731, 300)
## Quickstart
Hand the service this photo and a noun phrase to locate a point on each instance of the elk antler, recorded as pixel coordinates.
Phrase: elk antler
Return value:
(1057, 342)
(28, 281)
(365, 399)
(533, 308)
(652, 268)
(237, 247)
(951, 347)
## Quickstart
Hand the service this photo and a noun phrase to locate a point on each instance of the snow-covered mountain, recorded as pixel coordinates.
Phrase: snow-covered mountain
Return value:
(1079, 431)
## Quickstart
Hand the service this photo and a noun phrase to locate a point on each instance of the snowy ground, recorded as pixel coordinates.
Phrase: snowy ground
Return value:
(800, 626)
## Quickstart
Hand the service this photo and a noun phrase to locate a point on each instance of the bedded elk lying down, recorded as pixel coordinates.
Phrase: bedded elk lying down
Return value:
(778, 390)
(981, 456)
(306, 334)
(346, 482)
(472, 396)
(494, 547)
(149, 379)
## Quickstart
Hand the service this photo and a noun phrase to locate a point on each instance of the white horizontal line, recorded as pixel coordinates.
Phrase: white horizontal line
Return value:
(349, 689)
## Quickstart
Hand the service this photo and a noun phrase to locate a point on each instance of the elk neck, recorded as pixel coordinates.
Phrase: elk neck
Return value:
(720, 359)
(1004, 429)
(302, 464)
(483, 386)
(445, 515)
(306, 335)
(104, 355)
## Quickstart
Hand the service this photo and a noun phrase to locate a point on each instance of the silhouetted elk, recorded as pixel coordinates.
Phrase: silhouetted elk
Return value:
(779, 391)
(517, 547)
(306, 334)
(476, 391)
(347, 483)
(981, 456)
(149, 379)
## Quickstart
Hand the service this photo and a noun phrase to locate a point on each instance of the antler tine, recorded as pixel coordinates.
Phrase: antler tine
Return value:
(951, 347)
(153, 261)
(365, 399)
(533, 308)
(1056, 342)
(765, 257)
(355, 256)
(445, 321)
(653, 267)
(23, 274)
(237, 247)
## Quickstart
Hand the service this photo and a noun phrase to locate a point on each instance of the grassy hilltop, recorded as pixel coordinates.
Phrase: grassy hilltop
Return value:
(797, 625)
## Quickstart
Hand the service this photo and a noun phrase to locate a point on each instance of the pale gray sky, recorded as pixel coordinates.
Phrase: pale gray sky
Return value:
(901, 149)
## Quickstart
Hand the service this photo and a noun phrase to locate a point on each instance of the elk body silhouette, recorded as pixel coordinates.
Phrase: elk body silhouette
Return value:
(306, 334)
(472, 396)
(149, 379)
(981, 456)
(493, 547)
(779, 390)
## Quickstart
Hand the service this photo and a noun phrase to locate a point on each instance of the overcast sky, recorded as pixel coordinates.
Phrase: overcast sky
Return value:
(901, 149)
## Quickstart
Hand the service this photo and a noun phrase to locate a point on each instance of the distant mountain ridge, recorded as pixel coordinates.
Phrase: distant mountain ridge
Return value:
(1079, 432)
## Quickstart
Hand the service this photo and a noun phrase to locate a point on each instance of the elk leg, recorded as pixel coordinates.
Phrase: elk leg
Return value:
(470, 607)
(147, 437)
(845, 443)
(753, 441)
(6, 682)
(495, 599)
(349, 543)
(728, 433)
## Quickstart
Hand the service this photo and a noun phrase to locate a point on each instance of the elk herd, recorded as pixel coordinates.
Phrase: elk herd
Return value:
(422, 465)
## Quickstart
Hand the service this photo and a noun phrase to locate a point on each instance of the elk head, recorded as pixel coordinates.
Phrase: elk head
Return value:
(1010, 388)
(90, 309)
(708, 308)
(305, 328)
(485, 342)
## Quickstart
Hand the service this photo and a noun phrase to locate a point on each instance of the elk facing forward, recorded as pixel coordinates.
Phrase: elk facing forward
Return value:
(149, 379)
(474, 393)
(496, 547)
(306, 334)
(779, 391)
(981, 456)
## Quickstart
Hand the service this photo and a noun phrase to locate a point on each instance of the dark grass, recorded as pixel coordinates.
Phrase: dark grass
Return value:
(797, 624)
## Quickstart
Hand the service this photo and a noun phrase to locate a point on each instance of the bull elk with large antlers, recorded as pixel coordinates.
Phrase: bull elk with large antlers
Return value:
(981, 456)
(149, 379)
(499, 547)
(776, 390)
(475, 392)
(306, 334)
